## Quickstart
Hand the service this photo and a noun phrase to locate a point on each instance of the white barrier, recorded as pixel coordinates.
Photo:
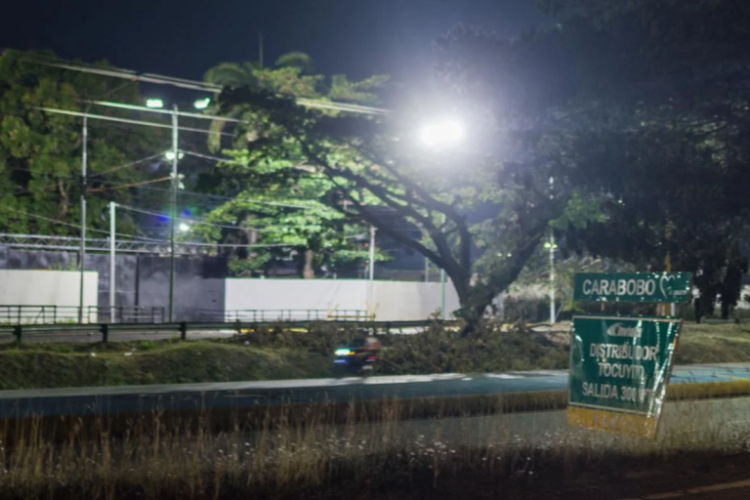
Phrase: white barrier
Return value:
(391, 301)
(48, 288)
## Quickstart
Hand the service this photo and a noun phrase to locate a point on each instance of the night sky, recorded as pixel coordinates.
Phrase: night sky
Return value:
(184, 38)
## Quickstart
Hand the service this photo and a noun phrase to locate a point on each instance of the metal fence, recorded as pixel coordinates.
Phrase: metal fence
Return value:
(46, 315)
(283, 315)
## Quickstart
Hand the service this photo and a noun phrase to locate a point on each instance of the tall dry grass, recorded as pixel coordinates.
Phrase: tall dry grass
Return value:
(281, 456)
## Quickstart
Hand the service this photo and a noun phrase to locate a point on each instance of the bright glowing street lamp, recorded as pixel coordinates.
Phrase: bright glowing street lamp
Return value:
(170, 155)
(441, 133)
(154, 103)
(184, 227)
(202, 103)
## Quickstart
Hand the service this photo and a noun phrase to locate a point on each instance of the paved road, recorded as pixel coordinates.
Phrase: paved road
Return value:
(113, 400)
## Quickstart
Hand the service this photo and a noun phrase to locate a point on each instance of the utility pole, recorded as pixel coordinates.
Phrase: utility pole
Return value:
(260, 49)
(173, 214)
(552, 315)
(552, 246)
(442, 285)
(371, 288)
(112, 270)
(84, 186)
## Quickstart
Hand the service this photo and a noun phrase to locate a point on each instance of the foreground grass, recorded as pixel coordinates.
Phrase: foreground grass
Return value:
(57, 365)
(507, 456)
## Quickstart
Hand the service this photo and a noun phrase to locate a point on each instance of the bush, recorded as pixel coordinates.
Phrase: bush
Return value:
(441, 350)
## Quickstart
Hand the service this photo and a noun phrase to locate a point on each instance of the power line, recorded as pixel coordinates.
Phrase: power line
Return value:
(207, 87)
(132, 184)
(129, 121)
(126, 165)
(196, 220)
(135, 107)
(63, 223)
(229, 198)
(213, 158)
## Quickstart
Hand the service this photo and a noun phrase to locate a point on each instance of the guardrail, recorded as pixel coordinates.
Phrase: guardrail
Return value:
(183, 328)
(263, 315)
(44, 315)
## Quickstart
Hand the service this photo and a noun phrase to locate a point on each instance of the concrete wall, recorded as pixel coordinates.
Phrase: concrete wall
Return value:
(411, 300)
(392, 300)
(47, 288)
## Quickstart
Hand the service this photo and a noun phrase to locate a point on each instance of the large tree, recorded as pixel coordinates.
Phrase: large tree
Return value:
(279, 200)
(40, 152)
(667, 155)
(645, 103)
(379, 170)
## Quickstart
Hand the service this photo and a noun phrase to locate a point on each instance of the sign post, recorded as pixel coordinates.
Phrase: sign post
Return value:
(633, 287)
(620, 366)
(619, 369)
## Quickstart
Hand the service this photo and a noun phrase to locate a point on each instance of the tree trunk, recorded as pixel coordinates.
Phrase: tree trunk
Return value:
(308, 269)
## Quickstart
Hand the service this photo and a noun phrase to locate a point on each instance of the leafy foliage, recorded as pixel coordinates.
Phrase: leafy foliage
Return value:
(40, 152)
(645, 105)
(279, 198)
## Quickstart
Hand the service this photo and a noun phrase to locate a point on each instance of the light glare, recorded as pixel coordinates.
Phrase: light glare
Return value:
(446, 132)
(202, 103)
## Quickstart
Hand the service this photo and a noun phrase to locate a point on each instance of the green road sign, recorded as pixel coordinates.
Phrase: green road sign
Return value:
(633, 287)
(619, 368)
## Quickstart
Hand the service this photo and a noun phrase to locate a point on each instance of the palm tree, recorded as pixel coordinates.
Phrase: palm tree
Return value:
(234, 75)
(229, 74)
(298, 60)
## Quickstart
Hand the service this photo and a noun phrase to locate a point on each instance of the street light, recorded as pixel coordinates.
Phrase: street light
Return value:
(202, 103)
(444, 132)
(169, 155)
(184, 227)
(154, 103)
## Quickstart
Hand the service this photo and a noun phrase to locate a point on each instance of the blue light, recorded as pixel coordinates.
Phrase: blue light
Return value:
(163, 218)
(186, 213)
(340, 362)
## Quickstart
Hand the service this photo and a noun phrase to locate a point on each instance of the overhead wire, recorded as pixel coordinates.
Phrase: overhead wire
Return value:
(197, 220)
(129, 185)
(63, 223)
(207, 87)
(229, 198)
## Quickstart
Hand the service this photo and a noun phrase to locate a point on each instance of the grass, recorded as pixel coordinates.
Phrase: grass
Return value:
(500, 456)
(27, 366)
(714, 343)
(278, 353)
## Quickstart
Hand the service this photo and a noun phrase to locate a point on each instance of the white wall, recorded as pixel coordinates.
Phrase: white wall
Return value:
(47, 288)
(411, 300)
(393, 300)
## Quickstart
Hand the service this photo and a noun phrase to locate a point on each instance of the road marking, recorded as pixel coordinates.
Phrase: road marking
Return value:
(696, 491)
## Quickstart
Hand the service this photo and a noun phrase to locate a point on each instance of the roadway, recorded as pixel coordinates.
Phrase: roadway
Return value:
(247, 395)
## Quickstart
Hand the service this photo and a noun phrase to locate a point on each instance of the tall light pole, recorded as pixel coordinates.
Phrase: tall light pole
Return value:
(442, 288)
(371, 284)
(82, 253)
(112, 266)
(551, 246)
(173, 211)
